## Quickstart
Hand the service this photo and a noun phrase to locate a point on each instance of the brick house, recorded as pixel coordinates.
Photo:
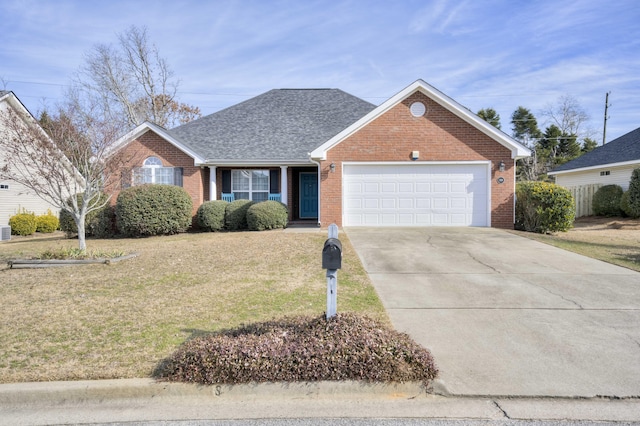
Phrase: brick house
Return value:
(418, 159)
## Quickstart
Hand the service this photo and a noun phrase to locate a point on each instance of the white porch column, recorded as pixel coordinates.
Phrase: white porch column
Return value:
(213, 188)
(284, 185)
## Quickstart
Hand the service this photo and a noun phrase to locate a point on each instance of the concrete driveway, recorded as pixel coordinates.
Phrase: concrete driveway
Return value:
(505, 315)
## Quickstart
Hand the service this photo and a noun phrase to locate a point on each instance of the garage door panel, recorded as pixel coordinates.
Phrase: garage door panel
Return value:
(415, 195)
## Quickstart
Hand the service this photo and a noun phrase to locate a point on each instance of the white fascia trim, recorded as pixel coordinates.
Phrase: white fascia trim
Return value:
(245, 163)
(411, 163)
(601, 166)
(144, 127)
(517, 150)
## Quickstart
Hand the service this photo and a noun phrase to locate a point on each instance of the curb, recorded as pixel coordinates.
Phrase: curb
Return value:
(90, 390)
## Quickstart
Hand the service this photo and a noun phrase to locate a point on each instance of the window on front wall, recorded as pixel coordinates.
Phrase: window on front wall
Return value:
(152, 171)
(250, 184)
(605, 173)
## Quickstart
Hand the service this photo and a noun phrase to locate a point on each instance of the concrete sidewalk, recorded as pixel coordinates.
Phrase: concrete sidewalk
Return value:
(507, 316)
(144, 400)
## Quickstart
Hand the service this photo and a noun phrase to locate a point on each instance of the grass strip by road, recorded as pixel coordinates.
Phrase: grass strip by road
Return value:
(119, 321)
(616, 246)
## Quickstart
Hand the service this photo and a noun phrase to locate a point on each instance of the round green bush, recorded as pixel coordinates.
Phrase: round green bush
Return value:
(47, 223)
(633, 209)
(23, 224)
(543, 207)
(211, 215)
(153, 210)
(235, 215)
(606, 201)
(267, 215)
(624, 206)
(104, 224)
(68, 225)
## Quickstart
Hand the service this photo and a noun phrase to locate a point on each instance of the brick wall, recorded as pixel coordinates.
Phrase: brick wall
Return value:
(439, 135)
(194, 180)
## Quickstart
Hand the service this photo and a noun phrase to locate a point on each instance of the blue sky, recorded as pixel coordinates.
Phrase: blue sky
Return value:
(499, 54)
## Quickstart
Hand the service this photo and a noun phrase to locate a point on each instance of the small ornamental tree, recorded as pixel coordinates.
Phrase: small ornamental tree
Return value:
(634, 194)
(64, 155)
(543, 207)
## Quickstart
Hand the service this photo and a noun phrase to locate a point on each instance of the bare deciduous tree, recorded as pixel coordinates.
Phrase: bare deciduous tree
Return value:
(132, 83)
(67, 159)
(569, 116)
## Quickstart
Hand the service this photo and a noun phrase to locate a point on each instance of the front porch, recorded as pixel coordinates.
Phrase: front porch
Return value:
(294, 186)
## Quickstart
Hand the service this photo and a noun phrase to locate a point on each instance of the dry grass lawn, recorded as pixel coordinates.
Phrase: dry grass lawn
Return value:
(121, 320)
(613, 240)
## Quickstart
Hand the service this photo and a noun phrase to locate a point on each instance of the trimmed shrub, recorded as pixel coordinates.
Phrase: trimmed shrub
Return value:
(634, 194)
(267, 215)
(104, 223)
(235, 215)
(68, 225)
(624, 206)
(211, 215)
(153, 210)
(47, 223)
(543, 207)
(307, 349)
(606, 201)
(23, 224)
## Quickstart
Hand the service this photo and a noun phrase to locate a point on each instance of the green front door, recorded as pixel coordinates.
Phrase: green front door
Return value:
(308, 195)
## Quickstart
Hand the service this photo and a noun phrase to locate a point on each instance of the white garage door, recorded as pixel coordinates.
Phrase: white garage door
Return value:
(415, 195)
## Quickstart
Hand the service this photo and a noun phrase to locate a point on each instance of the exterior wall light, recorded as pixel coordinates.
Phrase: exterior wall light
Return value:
(501, 166)
(332, 167)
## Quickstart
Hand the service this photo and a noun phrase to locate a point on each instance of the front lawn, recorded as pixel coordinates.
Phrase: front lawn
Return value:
(610, 239)
(121, 320)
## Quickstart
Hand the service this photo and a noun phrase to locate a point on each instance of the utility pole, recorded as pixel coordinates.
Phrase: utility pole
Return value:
(606, 107)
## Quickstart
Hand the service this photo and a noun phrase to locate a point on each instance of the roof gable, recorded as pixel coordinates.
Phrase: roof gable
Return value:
(622, 150)
(518, 150)
(282, 125)
(160, 131)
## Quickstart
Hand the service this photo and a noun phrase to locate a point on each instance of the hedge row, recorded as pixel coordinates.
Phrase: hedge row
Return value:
(27, 223)
(611, 200)
(241, 215)
(147, 210)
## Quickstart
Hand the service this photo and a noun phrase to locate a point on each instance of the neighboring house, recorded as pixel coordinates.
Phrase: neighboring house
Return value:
(610, 164)
(418, 159)
(14, 197)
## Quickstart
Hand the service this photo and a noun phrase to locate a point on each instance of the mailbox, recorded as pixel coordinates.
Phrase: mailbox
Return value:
(332, 254)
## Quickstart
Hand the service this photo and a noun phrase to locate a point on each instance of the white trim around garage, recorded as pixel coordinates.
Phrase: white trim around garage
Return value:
(471, 210)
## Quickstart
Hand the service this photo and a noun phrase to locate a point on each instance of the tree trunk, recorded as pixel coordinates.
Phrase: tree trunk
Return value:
(82, 243)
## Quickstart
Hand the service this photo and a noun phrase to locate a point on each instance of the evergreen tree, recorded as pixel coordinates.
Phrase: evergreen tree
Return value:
(490, 116)
(525, 126)
(634, 193)
(588, 145)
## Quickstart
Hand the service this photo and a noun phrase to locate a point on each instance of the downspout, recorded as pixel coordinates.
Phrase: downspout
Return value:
(319, 186)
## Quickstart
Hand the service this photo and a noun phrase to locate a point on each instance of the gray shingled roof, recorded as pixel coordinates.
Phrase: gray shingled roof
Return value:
(280, 125)
(625, 148)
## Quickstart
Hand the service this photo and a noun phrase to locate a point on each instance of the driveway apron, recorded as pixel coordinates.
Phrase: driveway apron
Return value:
(507, 316)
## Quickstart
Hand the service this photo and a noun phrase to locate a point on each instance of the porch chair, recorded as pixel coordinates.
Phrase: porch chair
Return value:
(275, 197)
(228, 197)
